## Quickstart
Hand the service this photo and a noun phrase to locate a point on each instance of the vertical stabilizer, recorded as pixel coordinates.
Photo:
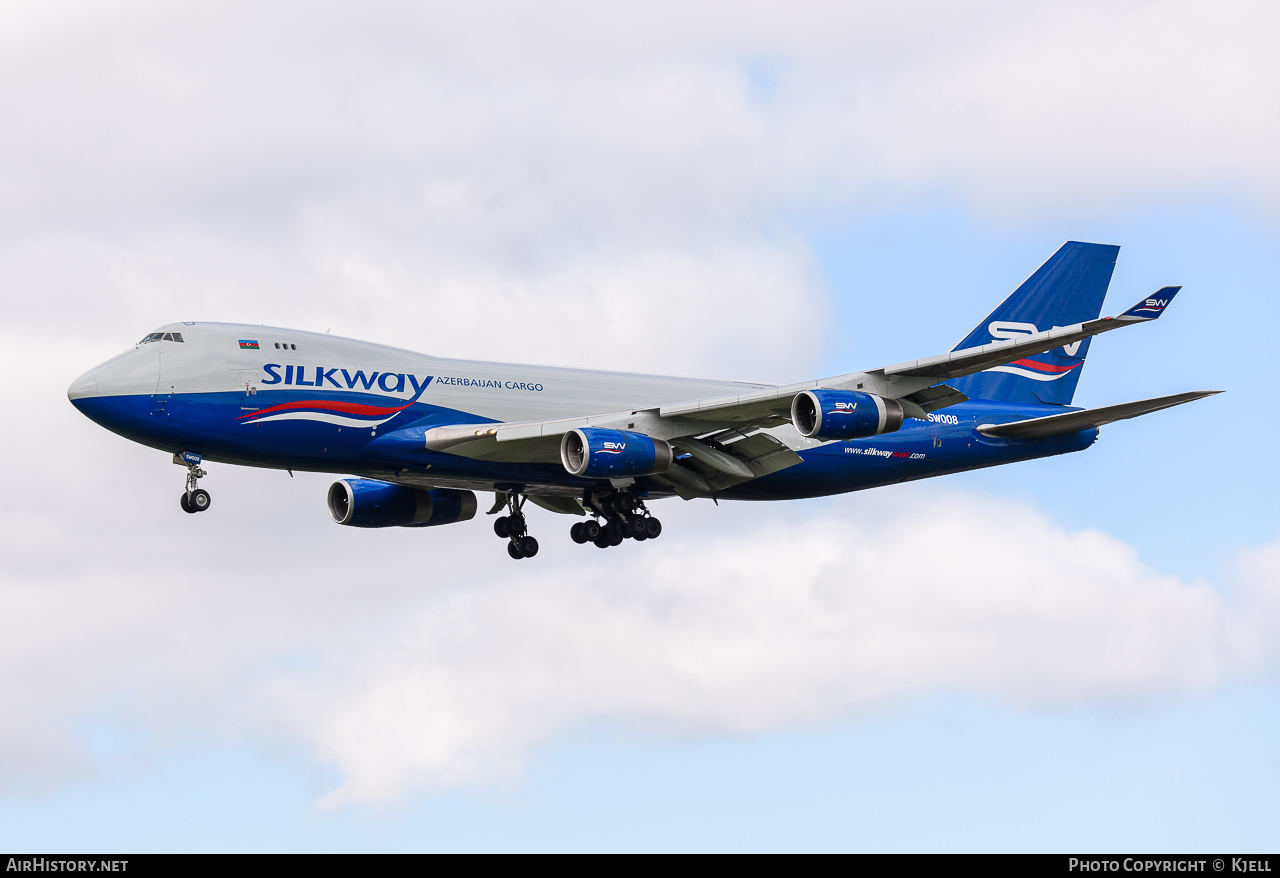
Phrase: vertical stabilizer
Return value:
(1067, 289)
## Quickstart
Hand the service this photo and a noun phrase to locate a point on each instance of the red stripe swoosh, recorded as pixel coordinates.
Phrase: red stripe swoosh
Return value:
(333, 405)
(1044, 367)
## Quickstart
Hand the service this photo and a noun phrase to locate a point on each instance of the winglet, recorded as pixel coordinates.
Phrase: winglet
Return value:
(1153, 307)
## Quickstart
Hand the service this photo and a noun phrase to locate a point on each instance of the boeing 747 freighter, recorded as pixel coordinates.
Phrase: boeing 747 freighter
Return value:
(419, 435)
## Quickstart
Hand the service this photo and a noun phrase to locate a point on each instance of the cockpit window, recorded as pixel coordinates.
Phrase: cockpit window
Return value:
(162, 336)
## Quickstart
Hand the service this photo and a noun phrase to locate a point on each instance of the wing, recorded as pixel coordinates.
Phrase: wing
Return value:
(919, 382)
(721, 435)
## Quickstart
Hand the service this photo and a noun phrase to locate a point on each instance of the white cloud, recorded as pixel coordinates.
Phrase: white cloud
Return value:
(754, 625)
(572, 123)
(733, 310)
(1090, 107)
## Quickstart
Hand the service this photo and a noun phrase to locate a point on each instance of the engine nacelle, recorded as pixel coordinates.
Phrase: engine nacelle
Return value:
(613, 454)
(370, 503)
(844, 414)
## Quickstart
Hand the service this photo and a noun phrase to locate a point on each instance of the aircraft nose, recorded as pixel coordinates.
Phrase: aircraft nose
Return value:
(84, 386)
(131, 374)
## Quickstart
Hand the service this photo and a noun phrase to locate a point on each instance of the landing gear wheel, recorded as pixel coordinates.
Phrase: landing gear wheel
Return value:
(590, 530)
(575, 533)
(635, 526)
(198, 500)
(528, 546)
(653, 528)
(616, 536)
(624, 503)
(193, 499)
(514, 551)
(501, 526)
(602, 540)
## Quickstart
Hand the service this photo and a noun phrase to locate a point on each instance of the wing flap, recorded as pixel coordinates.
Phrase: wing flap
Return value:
(561, 505)
(726, 459)
(939, 396)
(1071, 422)
(764, 454)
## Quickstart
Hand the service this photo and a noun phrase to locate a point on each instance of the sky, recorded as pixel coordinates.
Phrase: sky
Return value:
(1072, 654)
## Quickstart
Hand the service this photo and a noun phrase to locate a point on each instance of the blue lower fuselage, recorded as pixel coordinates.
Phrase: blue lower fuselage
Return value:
(222, 426)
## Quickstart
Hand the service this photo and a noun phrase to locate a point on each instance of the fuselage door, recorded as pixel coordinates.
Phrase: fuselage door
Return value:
(164, 392)
(248, 389)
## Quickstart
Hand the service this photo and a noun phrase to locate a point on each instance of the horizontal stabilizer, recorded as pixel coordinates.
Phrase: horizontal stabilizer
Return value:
(1071, 422)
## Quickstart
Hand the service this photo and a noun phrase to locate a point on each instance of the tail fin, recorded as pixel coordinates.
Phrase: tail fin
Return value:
(1068, 288)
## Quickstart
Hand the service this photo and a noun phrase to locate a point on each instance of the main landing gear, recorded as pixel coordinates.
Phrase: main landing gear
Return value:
(618, 516)
(514, 530)
(623, 516)
(195, 498)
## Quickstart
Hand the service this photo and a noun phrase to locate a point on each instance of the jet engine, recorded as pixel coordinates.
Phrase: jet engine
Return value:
(370, 503)
(613, 454)
(844, 414)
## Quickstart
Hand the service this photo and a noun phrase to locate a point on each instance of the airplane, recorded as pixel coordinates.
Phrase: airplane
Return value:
(420, 435)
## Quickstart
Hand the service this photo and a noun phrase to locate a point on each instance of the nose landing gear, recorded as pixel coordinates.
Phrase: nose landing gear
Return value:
(514, 530)
(194, 499)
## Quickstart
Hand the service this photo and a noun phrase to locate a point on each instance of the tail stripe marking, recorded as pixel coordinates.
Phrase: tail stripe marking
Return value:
(1045, 367)
(1036, 371)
